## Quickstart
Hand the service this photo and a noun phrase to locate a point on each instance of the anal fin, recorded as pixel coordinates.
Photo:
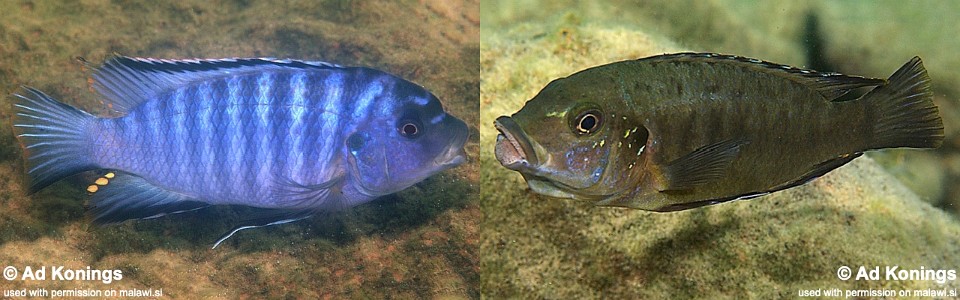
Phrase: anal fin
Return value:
(819, 170)
(706, 164)
(814, 172)
(127, 196)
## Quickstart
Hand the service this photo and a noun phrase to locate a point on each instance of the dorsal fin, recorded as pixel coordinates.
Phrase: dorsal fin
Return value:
(830, 85)
(126, 82)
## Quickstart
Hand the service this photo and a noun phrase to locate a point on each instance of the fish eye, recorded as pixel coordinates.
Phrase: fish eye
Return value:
(410, 128)
(588, 122)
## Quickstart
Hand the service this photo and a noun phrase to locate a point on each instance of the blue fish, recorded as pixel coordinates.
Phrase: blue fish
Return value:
(296, 137)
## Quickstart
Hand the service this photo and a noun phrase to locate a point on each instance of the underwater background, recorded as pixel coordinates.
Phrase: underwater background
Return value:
(888, 208)
(419, 243)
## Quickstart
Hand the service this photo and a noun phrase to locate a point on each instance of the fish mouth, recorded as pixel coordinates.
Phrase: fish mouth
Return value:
(552, 188)
(454, 156)
(546, 187)
(516, 152)
(513, 150)
(455, 153)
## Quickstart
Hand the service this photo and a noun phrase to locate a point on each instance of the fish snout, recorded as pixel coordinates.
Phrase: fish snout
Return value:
(513, 150)
(455, 153)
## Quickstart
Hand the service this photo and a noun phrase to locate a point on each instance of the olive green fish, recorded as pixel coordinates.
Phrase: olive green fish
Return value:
(680, 131)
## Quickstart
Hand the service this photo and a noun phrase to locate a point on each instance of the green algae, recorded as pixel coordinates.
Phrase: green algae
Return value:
(420, 243)
(768, 247)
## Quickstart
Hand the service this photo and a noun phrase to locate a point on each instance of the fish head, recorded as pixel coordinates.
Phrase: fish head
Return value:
(407, 140)
(567, 142)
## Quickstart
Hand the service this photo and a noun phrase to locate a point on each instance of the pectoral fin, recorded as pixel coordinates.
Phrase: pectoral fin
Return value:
(305, 199)
(324, 196)
(704, 165)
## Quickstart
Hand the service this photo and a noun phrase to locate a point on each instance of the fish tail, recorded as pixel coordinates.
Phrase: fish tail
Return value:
(53, 136)
(904, 110)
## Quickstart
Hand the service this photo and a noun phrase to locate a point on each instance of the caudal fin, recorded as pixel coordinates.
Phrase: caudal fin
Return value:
(53, 136)
(904, 110)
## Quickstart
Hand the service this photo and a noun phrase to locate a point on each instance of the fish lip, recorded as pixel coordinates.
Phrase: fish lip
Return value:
(455, 153)
(454, 156)
(513, 150)
(556, 189)
(542, 185)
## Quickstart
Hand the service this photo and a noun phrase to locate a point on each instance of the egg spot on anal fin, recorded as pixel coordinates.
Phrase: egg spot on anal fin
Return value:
(130, 196)
(102, 181)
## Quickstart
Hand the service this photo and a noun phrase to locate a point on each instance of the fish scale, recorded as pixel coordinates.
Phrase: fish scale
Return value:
(711, 128)
(259, 132)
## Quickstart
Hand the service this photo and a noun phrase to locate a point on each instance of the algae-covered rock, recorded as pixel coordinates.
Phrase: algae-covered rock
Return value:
(768, 247)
